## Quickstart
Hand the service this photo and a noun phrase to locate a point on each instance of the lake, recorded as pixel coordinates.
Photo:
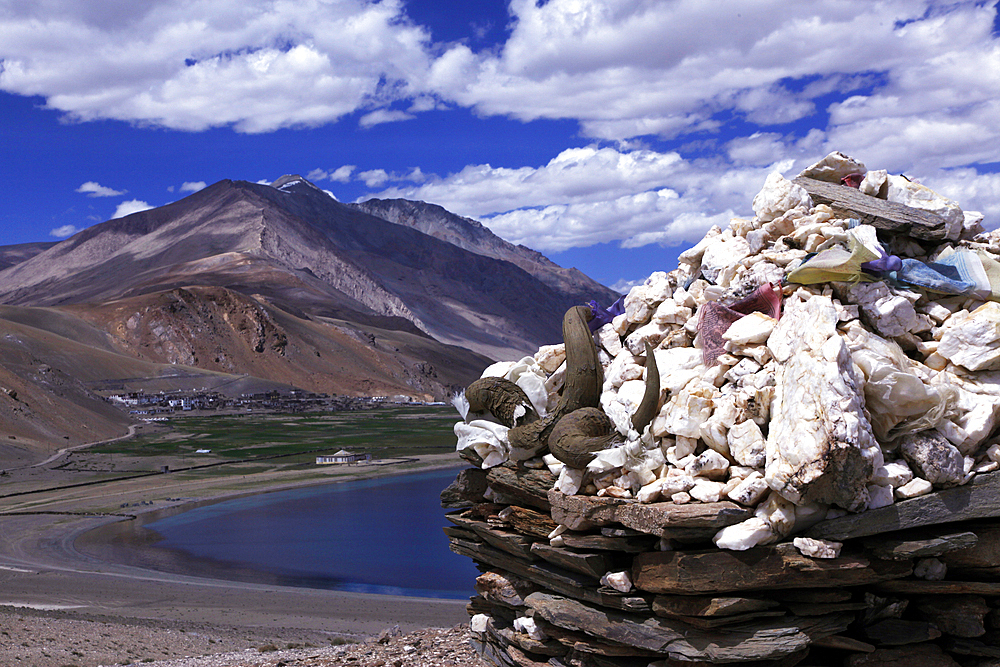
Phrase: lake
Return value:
(379, 535)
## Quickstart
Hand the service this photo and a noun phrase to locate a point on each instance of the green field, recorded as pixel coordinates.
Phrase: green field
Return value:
(384, 433)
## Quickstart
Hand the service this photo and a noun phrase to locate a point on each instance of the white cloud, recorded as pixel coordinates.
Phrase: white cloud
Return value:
(94, 189)
(193, 186)
(380, 116)
(339, 175)
(593, 195)
(129, 207)
(254, 64)
(374, 178)
(64, 231)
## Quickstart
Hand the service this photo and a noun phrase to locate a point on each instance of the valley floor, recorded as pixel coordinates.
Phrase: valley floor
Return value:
(60, 606)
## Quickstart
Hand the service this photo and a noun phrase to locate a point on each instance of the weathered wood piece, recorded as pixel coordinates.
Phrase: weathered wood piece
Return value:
(603, 543)
(549, 576)
(956, 615)
(764, 641)
(526, 485)
(903, 549)
(707, 605)
(778, 566)
(977, 500)
(589, 564)
(879, 213)
(896, 631)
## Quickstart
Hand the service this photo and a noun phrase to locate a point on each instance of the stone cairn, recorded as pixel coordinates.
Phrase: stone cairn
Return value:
(815, 488)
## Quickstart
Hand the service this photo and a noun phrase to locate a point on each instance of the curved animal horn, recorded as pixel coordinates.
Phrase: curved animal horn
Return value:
(578, 437)
(647, 409)
(581, 388)
(584, 375)
(502, 398)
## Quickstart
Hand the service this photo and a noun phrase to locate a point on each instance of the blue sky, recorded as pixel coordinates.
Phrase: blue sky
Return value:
(608, 135)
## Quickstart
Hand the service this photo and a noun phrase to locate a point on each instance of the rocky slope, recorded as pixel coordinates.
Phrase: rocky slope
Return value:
(281, 283)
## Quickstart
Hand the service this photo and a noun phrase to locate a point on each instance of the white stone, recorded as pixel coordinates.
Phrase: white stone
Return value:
(752, 329)
(994, 453)
(972, 340)
(930, 569)
(478, 623)
(814, 548)
(620, 581)
(933, 458)
(677, 366)
(609, 339)
(905, 191)
(779, 514)
(570, 480)
(833, 168)
(879, 495)
(706, 491)
(874, 184)
(680, 498)
(747, 444)
(673, 484)
(915, 487)
(651, 333)
(820, 447)
(684, 412)
(626, 366)
(778, 196)
(671, 312)
(709, 463)
(549, 357)
(746, 366)
(527, 625)
(750, 491)
(891, 314)
(894, 473)
(650, 493)
(744, 535)
(724, 252)
(692, 256)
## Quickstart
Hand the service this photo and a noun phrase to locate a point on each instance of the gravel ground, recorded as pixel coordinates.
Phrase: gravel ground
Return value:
(50, 638)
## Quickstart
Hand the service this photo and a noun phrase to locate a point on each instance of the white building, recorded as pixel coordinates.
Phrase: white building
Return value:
(343, 456)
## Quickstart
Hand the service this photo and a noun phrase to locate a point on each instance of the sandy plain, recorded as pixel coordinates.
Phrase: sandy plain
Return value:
(69, 597)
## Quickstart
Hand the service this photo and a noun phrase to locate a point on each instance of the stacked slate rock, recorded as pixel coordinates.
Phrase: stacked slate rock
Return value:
(817, 484)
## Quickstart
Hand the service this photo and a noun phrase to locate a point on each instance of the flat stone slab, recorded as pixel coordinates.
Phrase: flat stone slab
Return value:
(779, 566)
(980, 499)
(879, 213)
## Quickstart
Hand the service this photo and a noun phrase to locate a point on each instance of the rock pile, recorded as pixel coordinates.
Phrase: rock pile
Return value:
(813, 482)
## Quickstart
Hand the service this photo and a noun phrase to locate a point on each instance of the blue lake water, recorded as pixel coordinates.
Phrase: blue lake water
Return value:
(369, 536)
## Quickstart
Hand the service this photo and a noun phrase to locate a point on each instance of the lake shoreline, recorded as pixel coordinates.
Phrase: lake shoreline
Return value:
(44, 575)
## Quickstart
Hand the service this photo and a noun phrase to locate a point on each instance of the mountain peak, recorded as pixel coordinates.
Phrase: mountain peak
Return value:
(291, 180)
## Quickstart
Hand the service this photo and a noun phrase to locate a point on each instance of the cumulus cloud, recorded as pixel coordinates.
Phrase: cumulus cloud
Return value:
(94, 189)
(256, 65)
(129, 207)
(338, 175)
(64, 231)
(193, 186)
(594, 195)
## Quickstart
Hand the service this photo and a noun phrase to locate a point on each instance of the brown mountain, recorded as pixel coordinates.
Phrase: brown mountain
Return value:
(281, 283)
